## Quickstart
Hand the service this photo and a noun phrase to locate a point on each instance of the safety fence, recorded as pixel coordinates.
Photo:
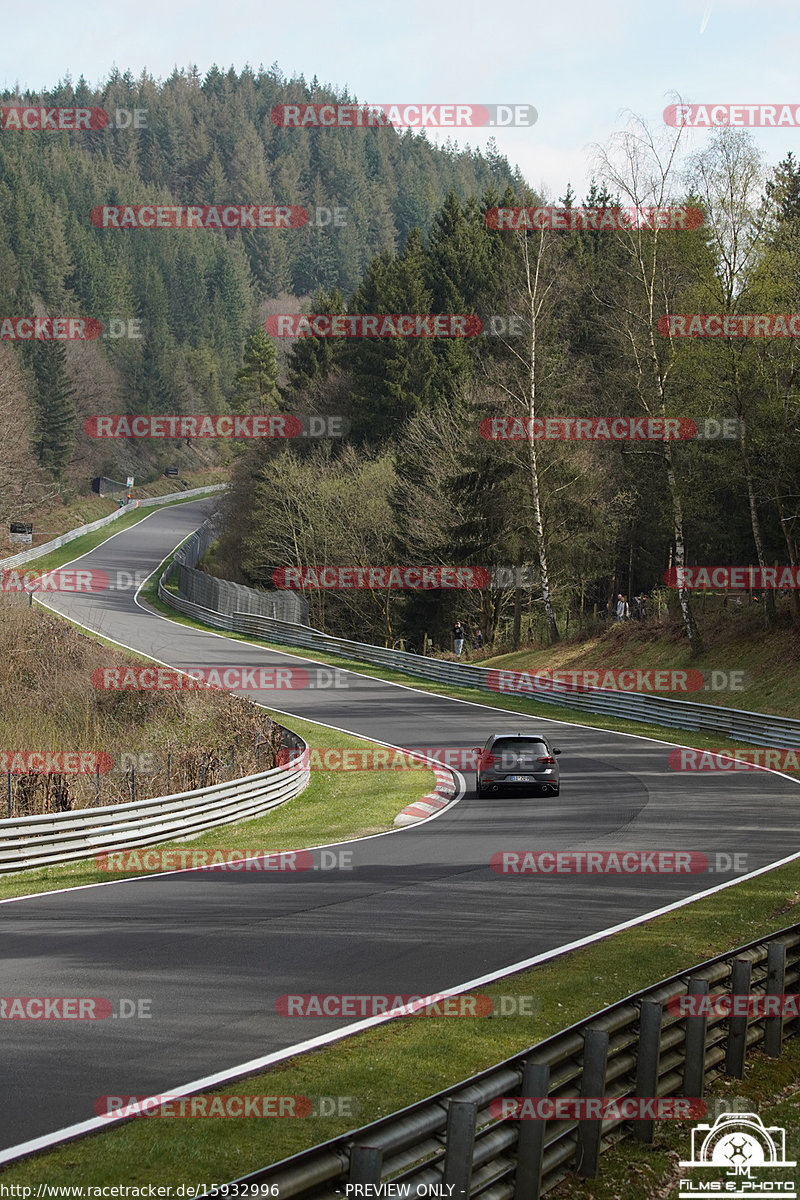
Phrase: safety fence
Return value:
(640, 1048)
(45, 839)
(221, 595)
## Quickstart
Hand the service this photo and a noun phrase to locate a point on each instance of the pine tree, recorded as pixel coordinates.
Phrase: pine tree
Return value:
(55, 402)
(257, 379)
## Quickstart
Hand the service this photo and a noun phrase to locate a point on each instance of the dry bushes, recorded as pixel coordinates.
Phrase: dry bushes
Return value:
(145, 743)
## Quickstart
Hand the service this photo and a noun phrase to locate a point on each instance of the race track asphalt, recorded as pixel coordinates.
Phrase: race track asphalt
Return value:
(420, 910)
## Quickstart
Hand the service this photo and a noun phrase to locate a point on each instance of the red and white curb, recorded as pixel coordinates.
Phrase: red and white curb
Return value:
(445, 790)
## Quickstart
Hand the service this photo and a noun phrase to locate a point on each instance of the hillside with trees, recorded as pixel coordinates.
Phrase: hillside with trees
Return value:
(417, 482)
(196, 296)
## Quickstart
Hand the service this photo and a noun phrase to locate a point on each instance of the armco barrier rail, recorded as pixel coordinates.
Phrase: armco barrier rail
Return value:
(17, 560)
(637, 1047)
(40, 841)
(761, 729)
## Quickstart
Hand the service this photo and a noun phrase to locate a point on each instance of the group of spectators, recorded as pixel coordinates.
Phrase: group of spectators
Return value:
(639, 604)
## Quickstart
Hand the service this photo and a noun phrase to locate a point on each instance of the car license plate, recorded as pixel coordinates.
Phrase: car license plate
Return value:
(522, 779)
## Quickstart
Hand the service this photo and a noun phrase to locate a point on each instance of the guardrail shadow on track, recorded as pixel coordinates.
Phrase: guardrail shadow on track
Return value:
(635, 1048)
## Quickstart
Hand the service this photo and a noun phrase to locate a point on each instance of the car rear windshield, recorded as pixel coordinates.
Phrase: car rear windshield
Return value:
(526, 746)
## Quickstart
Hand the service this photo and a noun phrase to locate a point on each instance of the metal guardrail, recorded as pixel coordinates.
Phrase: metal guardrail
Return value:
(636, 1047)
(760, 729)
(49, 838)
(24, 556)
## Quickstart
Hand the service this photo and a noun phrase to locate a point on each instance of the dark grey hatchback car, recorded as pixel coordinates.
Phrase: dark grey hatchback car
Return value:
(524, 763)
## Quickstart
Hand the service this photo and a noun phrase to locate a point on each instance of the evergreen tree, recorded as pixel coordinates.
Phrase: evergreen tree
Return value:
(56, 418)
(257, 379)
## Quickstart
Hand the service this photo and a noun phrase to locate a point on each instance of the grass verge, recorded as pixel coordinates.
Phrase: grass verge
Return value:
(334, 807)
(380, 1070)
(770, 1088)
(517, 703)
(388, 1067)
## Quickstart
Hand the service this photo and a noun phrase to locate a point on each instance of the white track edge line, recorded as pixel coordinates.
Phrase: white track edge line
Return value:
(95, 1124)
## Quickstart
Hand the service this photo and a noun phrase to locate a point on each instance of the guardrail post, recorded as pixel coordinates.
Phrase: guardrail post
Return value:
(366, 1163)
(648, 1060)
(737, 1026)
(460, 1141)
(694, 1060)
(530, 1141)
(593, 1084)
(776, 981)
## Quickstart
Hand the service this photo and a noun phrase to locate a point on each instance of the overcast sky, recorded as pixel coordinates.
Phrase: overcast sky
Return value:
(580, 64)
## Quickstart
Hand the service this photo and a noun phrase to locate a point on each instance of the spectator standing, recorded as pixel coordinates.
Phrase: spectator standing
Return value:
(458, 638)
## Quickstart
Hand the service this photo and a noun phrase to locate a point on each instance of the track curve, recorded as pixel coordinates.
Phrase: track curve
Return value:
(420, 911)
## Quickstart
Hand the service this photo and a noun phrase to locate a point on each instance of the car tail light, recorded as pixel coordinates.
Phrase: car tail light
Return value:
(548, 760)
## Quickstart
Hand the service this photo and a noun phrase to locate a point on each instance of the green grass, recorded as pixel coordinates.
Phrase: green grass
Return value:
(735, 640)
(336, 806)
(88, 541)
(632, 1170)
(518, 703)
(390, 1066)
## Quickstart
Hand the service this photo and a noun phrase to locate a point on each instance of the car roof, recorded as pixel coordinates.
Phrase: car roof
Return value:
(527, 737)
